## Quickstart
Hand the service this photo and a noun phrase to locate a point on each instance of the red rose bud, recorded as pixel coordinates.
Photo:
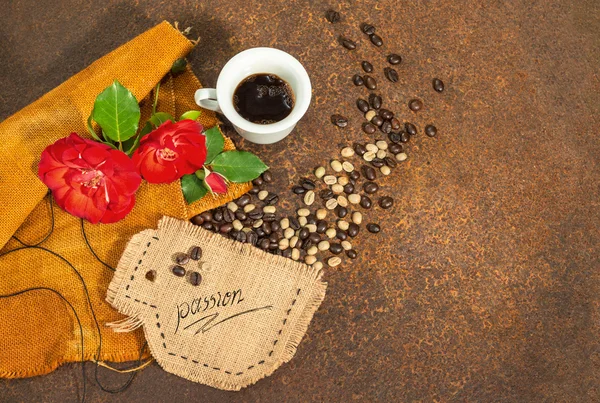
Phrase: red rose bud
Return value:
(88, 179)
(171, 151)
(216, 183)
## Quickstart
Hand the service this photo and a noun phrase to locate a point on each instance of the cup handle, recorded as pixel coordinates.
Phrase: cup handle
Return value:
(207, 99)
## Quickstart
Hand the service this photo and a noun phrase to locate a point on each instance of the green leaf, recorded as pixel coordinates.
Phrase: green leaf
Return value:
(131, 144)
(214, 143)
(193, 188)
(192, 115)
(159, 118)
(117, 112)
(238, 166)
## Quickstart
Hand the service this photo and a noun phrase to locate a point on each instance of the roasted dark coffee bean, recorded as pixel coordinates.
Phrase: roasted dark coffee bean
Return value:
(358, 80)
(395, 124)
(228, 215)
(349, 188)
(341, 235)
(347, 43)
(404, 137)
(370, 83)
(415, 105)
(375, 101)
(304, 233)
(332, 16)
(208, 226)
(394, 59)
(359, 149)
(178, 271)
(256, 214)
(294, 224)
(366, 66)
(386, 127)
(339, 120)
(354, 175)
(254, 191)
(430, 130)
(267, 176)
(438, 85)
(315, 238)
(252, 238)
(260, 232)
(307, 243)
(196, 253)
(248, 222)
(264, 243)
(151, 275)
(182, 258)
(367, 28)
(218, 216)
(353, 229)
(326, 194)
(311, 219)
(376, 39)
(351, 253)
(395, 148)
(207, 216)
(365, 202)
(336, 248)
(243, 200)
(268, 217)
(370, 187)
(274, 246)
(369, 128)
(410, 128)
(275, 237)
(341, 211)
(390, 162)
(266, 227)
(394, 137)
(258, 181)
(271, 199)
(374, 228)
(362, 105)
(391, 74)
(307, 184)
(386, 202)
(287, 253)
(368, 172)
(377, 120)
(195, 278)
(321, 226)
(377, 162)
(225, 228)
(240, 215)
(275, 226)
(197, 220)
(298, 190)
(386, 114)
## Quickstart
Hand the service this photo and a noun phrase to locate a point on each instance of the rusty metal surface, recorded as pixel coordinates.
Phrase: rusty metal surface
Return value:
(483, 285)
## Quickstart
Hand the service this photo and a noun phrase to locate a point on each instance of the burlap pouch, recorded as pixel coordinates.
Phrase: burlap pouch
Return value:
(244, 319)
(39, 330)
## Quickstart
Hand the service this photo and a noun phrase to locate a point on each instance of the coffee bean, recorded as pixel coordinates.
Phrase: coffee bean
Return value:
(208, 226)
(339, 120)
(341, 211)
(258, 181)
(365, 202)
(269, 217)
(273, 245)
(307, 243)
(326, 194)
(196, 253)
(354, 175)
(391, 74)
(275, 237)
(267, 176)
(315, 237)
(395, 124)
(353, 229)
(370, 83)
(256, 214)
(367, 67)
(415, 105)
(241, 215)
(151, 275)
(404, 137)
(347, 152)
(369, 128)
(349, 188)
(243, 200)
(218, 216)
(394, 137)
(271, 199)
(195, 278)
(351, 253)
(362, 105)
(376, 39)
(207, 215)
(308, 184)
(311, 219)
(341, 235)
(367, 28)
(252, 238)
(410, 128)
(240, 236)
(396, 148)
(390, 162)
(386, 202)
(197, 220)
(294, 223)
(377, 162)
(438, 85)
(178, 271)
(374, 228)
(368, 172)
(182, 258)
(354, 198)
(386, 127)
(358, 80)
(321, 226)
(370, 187)
(430, 130)
(228, 215)
(335, 248)
(264, 243)
(394, 59)
(359, 149)
(332, 16)
(347, 43)
(275, 226)
(304, 233)
(287, 253)
(298, 190)
(377, 120)
(375, 101)
(225, 228)
(386, 114)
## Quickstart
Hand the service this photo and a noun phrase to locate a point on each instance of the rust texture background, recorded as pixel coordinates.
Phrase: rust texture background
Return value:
(484, 283)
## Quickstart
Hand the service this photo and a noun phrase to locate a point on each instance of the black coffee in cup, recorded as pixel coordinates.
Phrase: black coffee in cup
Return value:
(263, 99)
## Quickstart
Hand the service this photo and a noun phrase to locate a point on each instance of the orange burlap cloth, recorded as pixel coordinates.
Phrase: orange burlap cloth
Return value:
(38, 330)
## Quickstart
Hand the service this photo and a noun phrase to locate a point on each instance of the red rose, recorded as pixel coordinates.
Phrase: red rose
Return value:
(216, 183)
(171, 151)
(89, 179)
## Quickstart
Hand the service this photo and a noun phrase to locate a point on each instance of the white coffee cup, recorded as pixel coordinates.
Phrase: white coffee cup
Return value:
(257, 61)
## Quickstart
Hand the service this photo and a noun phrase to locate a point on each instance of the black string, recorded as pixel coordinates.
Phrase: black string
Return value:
(49, 195)
(92, 249)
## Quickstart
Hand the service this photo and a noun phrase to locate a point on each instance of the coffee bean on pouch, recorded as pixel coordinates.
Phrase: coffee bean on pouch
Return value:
(196, 253)
(178, 271)
(195, 278)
